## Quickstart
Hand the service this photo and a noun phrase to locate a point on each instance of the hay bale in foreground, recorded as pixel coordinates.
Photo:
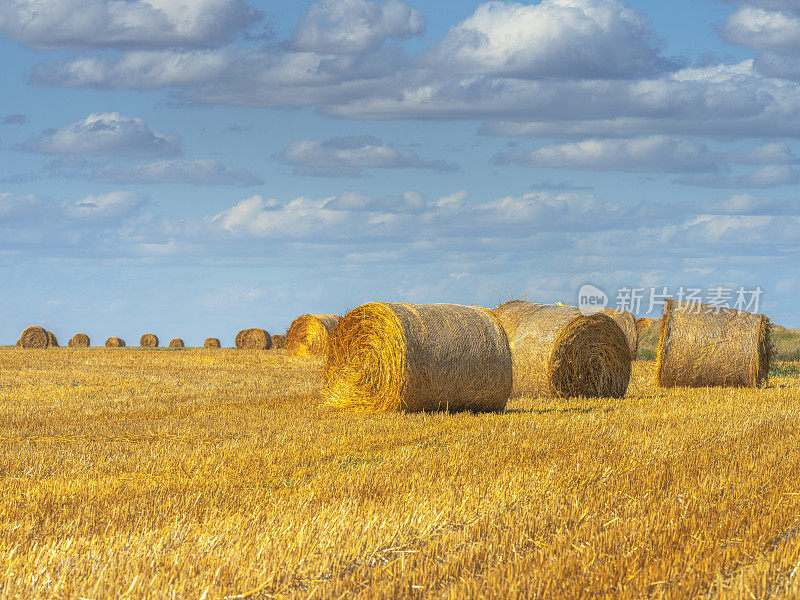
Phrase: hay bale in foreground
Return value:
(212, 343)
(701, 346)
(278, 341)
(253, 339)
(626, 322)
(52, 340)
(79, 340)
(34, 337)
(115, 342)
(385, 357)
(560, 352)
(176, 343)
(149, 340)
(308, 334)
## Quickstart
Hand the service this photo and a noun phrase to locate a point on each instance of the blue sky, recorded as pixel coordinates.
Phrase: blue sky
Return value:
(195, 167)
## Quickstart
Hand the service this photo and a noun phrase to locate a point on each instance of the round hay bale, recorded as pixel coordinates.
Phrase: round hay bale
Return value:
(52, 340)
(176, 343)
(34, 337)
(115, 342)
(278, 341)
(79, 340)
(700, 345)
(149, 340)
(253, 339)
(18, 344)
(560, 352)
(308, 334)
(626, 322)
(386, 357)
(212, 343)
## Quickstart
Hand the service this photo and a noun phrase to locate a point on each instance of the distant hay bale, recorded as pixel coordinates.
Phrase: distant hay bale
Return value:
(18, 344)
(386, 357)
(253, 339)
(79, 340)
(52, 340)
(560, 352)
(626, 322)
(278, 341)
(701, 345)
(212, 343)
(149, 340)
(115, 342)
(308, 334)
(34, 337)
(176, 343)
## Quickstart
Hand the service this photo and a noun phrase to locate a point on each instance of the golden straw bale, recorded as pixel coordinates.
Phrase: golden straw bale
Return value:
(308, 334)
(18, 344)
(702, 345)
(115, 342)
(626, 322)
(253, 339)
(176, 343)
(149, 340)
(278, 341)
(34, 337)
(52, 340)
(560, 352)
(212, 343)
(79, 340)
(385, 357)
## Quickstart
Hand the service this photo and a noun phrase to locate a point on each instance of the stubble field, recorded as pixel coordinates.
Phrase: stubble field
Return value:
(128, 473)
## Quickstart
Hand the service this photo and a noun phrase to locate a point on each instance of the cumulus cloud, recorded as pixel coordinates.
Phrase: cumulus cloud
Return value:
(355, 26)
(106, 134)
(199, 171)
(771, 30)
(554, 38)
(347, 156)
(93, 24)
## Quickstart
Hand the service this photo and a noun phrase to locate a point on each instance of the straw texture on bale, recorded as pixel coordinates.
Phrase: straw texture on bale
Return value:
(79, 340)
(212, 343)
(253, 339)
(176, 343)
(18, 344)
(386, 357)
(149, 340)
(308, 334)
(278, 340)
(115, 342)
(626, 322)
(560, 352)
(34, 337)
(52, 340)
(702, 345)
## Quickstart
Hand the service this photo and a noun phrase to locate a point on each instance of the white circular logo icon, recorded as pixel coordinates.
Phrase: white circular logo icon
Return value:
(591, 299)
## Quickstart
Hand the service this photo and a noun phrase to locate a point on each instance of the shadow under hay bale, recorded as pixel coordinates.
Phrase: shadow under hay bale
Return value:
(386, 357)
(34, 337)
(278, 341)
(560, 352)
(115, 342)
(176, 343)
(308, 334)
(701, 345)
(253, 339)
(149, 340)
(212, 343)
(79, 340)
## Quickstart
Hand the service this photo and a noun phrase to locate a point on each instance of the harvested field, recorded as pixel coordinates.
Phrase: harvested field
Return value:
(212, 474)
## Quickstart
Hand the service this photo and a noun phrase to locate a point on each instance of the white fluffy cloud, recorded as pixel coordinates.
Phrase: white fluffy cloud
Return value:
(109, 206)
(771, 30)
(89, 24)
(554, 38)
(106, 134)
(347, 156)
(199, 171)
(355, 26)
